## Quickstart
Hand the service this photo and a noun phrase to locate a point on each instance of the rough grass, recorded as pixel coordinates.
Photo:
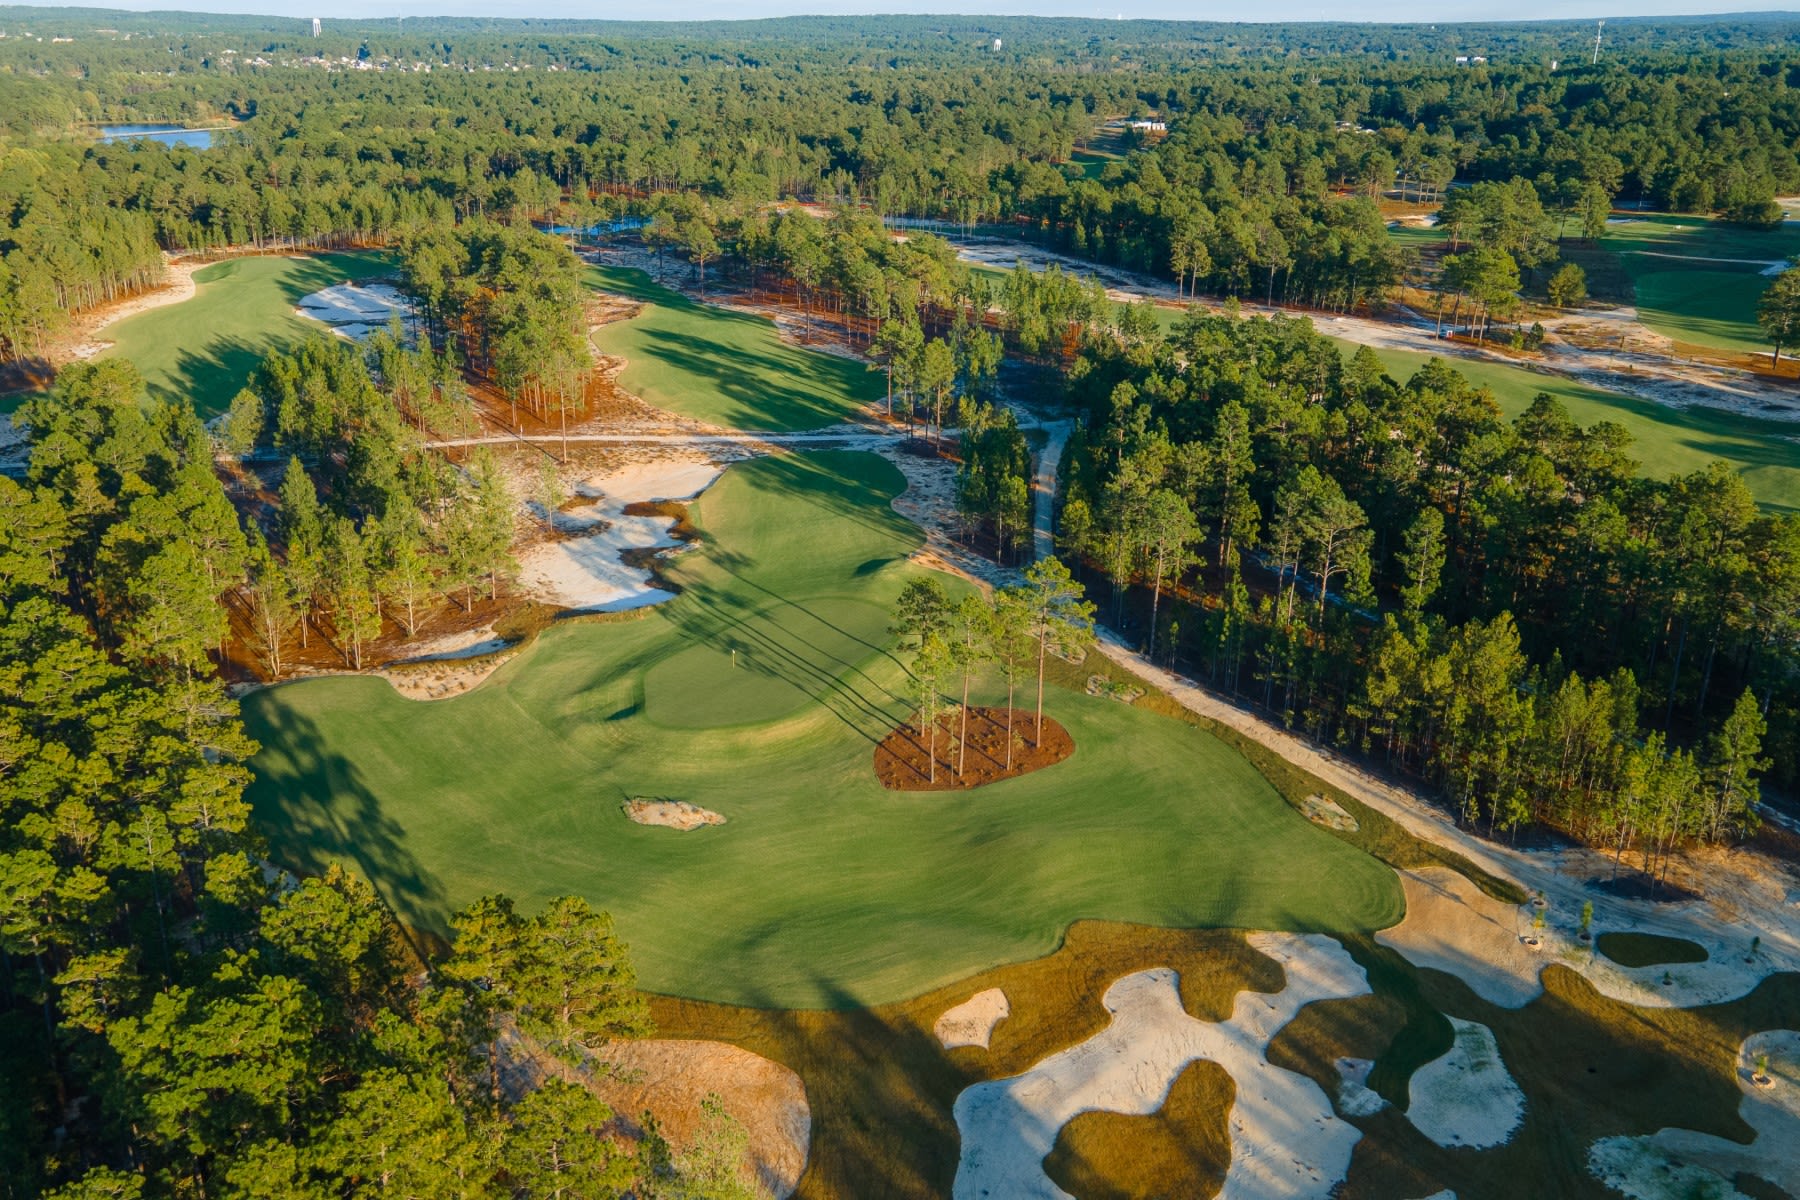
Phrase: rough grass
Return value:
(881, 1087)
(205, 348)
(824, 889)
(725, 367)
(1666, 441)
(1180, 1152)
(1649, 949)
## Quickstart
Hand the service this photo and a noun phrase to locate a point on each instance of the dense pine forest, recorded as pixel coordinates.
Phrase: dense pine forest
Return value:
(1507, 611)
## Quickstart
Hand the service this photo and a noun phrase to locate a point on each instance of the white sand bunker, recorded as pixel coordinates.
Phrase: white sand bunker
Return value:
(1355, 1097)
(1682, 1163)
(1285, 1141)
(355, 310)
(586, 573)
(1466, 1097)
(1723, 977)
(1323, 810)
(972, 1022)
(670, 1078)
(674, 814)
(1452, 926)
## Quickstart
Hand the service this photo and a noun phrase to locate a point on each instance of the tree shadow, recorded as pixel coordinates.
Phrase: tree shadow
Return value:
(313, 807)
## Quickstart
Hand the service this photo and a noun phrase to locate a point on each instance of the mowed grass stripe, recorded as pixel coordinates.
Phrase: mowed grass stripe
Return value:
(824, 889)
(727, 368)
(206, 348)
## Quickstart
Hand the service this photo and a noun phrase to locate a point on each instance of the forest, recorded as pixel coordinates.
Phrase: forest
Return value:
(1508, 611)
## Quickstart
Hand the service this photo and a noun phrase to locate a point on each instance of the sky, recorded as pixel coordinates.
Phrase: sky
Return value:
(1441, 11)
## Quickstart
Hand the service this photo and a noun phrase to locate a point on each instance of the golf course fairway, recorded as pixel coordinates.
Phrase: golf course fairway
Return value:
(823, 890)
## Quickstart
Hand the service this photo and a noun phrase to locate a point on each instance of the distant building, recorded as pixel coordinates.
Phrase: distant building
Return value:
(997, 45)
(1470, 60)
(1150, 126)
(315, 27)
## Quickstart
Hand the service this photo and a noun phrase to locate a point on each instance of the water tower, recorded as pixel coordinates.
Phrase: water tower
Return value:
(315, 27)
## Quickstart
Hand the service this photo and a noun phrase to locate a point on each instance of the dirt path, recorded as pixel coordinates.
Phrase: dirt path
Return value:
(1043, 488)
(1646, 371)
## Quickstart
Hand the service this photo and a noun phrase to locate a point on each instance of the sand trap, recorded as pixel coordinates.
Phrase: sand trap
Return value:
(1452, 926)
(470, 643)
(1323, 810)
(673, 814)
(586, 573)
(1466, 1097)
(1725, 976)
(355, 310)
(1674, 1163)
(1285, 1141)
(972, 1022)
(1355, 1097)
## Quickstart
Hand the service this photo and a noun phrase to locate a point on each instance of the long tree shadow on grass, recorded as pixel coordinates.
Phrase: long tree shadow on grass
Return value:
(312, 805)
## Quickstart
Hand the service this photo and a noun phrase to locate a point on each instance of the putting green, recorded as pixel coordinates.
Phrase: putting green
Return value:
(725, 367)
(823, 889)
(205, 348)
(1666, 441)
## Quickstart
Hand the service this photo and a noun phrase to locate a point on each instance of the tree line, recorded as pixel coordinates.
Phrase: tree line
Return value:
(1508, 609)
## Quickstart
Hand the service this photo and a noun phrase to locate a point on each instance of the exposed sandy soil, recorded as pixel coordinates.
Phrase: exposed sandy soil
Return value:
(1674, 1164)
(675, 814)
(972, 1022)
(1466, 1097)
(177, 285)
(1452, 926)
(355, 310)
(1285, 1141)
(581, 561)
(441, 679)
(1323, 810)
(903, 759)
(1355, 1098)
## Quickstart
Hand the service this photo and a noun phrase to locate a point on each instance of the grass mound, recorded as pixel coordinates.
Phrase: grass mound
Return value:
(1649, 949)
(1179, 1152)
(205, 348)
(725, 367)
(825, 889)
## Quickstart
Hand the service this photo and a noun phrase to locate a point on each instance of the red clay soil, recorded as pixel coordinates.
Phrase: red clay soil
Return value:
(901, 762)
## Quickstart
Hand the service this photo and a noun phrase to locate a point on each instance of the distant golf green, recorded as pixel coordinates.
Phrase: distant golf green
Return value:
(1666, 441)
(728, 368)
(205, 348)
(759, 692)
(1684, 291)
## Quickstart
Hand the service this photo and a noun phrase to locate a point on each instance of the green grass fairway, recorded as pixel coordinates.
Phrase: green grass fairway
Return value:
(1702, 303)
(1665, 440)
(205, 348)
(823, 890)
(729, 368)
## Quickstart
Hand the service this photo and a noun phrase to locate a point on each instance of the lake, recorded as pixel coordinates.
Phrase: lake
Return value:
(168, 135)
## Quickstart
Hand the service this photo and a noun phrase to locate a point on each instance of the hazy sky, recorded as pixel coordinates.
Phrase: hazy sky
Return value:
(1266, 10)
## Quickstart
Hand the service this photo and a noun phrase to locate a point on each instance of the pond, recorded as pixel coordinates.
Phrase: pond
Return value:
(168, 135)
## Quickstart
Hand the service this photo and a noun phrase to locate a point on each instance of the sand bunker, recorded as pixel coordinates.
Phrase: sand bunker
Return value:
(585, 572)
(1355, 1097)
(355, 310)
(674, 814)
(1323, 810)
(671, 1077)
(1452, 926)
(1466, 1097)
(1675, 1163)
(972, 1022)
(1285, 1141)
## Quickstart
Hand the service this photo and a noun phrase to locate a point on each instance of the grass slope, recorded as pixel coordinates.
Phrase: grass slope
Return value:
(823, 890)
(205, 348)
(728, 368)
(1702, 303)
(1665, 440)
